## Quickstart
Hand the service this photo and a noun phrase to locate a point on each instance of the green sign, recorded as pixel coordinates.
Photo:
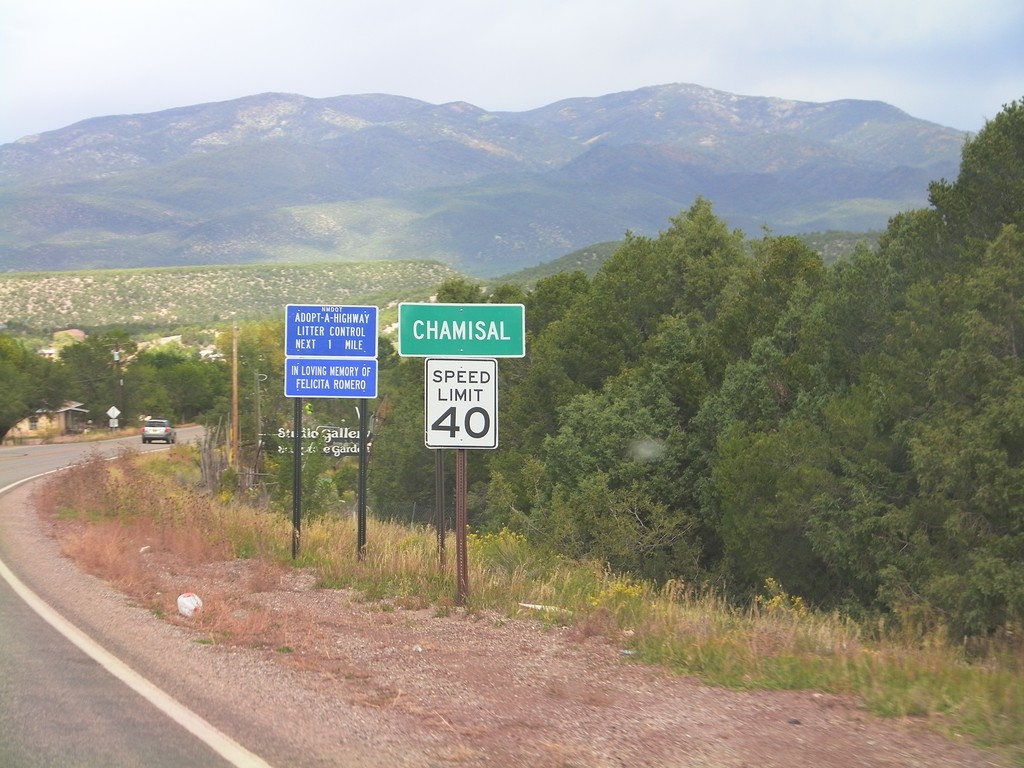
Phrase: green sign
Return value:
(461, 330)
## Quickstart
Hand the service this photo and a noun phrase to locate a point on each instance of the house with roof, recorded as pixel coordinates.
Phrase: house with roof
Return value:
(46, 424)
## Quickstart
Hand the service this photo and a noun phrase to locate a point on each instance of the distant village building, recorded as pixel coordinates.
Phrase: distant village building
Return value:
(62, 339)
(160, 342)
(68, 336)
(47, 424)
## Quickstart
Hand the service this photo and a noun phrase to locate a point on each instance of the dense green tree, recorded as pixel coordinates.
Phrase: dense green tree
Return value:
(28, 382)
(551, 298)
(848, 319)
(458, 290)
(752, 399)
(506, 293)
(925, 513)
(96, 369)
(857, 526)
(760, 290)
(403, 467)
(702, 256)
(988, 193)
(606, 473)
(966, 449)
(642, 282)
(589, 331)
(530, 390)
(767, 483)
(915, 248)
(171, 381)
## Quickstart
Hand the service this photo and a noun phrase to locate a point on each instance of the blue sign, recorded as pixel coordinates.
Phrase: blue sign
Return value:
(330, 377)
(313, 330)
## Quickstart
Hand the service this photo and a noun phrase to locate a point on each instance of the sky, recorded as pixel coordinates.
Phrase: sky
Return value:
(952, 62)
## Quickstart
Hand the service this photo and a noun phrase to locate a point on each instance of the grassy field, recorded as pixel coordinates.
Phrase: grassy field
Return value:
(169, 298)
(165, 299)
(776, 642)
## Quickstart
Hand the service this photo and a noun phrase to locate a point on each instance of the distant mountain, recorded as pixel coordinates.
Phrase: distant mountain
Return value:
(285, 178)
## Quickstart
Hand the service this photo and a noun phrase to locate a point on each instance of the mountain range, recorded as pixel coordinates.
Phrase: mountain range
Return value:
(276, 178)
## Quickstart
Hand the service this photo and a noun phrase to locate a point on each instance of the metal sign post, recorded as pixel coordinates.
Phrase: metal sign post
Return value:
(296, 477)
(439, 507)
(461, 529)
(361, 514)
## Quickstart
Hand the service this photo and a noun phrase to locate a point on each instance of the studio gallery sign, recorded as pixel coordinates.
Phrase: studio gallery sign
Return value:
(331, 441)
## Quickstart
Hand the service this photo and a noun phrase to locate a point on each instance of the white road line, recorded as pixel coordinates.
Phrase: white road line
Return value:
(218, 741)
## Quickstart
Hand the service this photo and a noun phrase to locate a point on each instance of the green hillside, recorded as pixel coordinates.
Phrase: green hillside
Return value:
(167, 298)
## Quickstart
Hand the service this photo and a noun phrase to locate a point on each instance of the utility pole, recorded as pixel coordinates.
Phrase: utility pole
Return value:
(259, 415)
(120, 378)
(235, 431)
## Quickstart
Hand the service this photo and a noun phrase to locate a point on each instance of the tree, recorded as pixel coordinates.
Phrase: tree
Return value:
(171, 381)
(607, 475)
(263, 408)
(767, 483)
(551, 298)
(967, 451)
(761, 288)
(458, 290)
(403, 467)
(96, 368)
(27, 382)
(849, 318)
(858, 526)
(988, 193)
(645, 280)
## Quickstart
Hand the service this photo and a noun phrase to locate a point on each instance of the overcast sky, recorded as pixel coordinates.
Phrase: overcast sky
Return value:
(954, 62)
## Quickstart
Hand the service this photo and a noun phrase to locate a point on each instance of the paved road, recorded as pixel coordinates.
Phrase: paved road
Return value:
(20, 462)
(64, 701)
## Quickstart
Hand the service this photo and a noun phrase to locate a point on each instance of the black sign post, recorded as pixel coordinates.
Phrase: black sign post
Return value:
(361, 514)
(439, 507)
(296, 477)
(461, 529)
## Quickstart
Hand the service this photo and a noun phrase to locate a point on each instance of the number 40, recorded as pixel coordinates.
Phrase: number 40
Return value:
(448, 422)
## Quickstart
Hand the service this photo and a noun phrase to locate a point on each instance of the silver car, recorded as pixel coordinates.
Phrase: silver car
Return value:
(158, 429)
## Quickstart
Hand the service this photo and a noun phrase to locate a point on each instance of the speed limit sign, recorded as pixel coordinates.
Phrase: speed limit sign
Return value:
(461, 399)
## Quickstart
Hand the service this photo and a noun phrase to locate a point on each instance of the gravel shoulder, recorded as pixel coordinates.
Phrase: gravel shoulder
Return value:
(345, 682)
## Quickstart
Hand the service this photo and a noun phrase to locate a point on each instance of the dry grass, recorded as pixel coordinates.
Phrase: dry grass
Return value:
(139, 524)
